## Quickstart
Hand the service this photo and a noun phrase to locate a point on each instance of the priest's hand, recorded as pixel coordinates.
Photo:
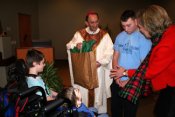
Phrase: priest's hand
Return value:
(98, 64)
(79, 45)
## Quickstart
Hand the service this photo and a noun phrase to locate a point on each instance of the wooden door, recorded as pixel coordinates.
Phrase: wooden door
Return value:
(25, 30)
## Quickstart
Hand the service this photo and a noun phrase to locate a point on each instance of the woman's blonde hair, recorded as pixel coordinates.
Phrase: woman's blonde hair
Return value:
(154, 19)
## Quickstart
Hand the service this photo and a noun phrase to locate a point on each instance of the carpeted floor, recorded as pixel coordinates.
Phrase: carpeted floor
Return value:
(146, 105)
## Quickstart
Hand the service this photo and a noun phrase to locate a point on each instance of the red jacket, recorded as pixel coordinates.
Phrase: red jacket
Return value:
(161, 67)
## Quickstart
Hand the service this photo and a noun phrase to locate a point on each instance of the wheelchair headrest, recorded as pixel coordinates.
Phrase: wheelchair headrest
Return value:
(21, 67)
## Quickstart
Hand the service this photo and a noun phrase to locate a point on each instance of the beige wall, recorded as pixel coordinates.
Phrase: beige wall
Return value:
(57, 20)
(9, 10)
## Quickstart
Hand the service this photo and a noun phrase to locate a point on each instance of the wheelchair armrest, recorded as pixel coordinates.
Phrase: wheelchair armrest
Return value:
(54, 104)
(31, 91)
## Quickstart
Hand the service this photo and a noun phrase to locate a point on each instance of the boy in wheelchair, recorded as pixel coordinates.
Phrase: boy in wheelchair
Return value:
(36, 101)
(35, 62)
(30, 92)
(32, 102)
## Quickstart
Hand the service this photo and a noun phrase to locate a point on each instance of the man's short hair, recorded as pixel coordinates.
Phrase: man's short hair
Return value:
(127, 14)
(91, 13)
(33, 56)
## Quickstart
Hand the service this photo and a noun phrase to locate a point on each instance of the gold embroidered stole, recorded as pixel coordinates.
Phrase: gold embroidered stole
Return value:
(97, 37)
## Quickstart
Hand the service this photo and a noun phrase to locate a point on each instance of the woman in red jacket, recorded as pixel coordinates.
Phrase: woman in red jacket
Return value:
(159, 65)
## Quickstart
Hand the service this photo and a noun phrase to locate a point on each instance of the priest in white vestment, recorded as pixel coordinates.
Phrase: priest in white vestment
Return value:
(104, 51)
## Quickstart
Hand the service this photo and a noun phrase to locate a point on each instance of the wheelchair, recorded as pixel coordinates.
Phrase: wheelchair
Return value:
(31, 105)
(25, 101)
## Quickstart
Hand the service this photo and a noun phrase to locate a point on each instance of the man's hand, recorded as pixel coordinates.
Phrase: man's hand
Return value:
(123, 83)
(118, 81)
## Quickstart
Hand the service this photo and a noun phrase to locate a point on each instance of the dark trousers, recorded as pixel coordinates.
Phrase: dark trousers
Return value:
(165, 104)
(121, 107)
